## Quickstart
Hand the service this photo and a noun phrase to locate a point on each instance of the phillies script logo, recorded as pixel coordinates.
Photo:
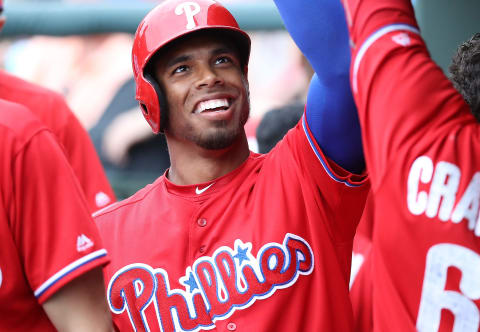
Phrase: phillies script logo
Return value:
(214, 287)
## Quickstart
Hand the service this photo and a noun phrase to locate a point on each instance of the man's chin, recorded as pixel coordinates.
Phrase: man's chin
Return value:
(218, 140)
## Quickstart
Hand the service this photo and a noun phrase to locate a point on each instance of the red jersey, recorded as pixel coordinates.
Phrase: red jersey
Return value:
(361, 283)
(266, 247)
(421, 145)
(47, 236)
(52, 110)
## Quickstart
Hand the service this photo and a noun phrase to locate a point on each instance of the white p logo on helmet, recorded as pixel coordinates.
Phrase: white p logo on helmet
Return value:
(190, 9)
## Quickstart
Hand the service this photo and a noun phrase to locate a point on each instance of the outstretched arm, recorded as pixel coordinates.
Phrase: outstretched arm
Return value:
(319, 29)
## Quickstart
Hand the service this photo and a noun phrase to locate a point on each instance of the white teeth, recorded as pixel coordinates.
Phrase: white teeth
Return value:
(211, 104)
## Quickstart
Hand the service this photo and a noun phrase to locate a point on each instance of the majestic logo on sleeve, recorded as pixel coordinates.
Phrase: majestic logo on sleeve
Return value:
(214, 287)
(83, 243)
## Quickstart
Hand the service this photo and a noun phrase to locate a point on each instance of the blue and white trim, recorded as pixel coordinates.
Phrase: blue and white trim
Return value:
(372, 39)
(311, 141)
(67, 270)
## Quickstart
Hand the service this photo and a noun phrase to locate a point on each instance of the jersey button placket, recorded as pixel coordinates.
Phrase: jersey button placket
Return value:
(231, 326)
(202, 222)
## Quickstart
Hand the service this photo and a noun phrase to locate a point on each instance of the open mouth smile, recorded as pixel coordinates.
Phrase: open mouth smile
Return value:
(213, 105)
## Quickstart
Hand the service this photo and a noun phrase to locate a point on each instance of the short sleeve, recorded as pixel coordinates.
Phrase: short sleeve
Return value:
(53, 230)
(338, 193)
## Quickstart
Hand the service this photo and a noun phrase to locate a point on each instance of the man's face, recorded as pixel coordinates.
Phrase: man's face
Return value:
(206, 91)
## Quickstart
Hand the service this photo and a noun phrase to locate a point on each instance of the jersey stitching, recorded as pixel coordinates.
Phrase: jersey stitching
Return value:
(29, 140)
(129, 201)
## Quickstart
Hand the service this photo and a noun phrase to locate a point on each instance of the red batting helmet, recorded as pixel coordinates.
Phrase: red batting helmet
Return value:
(167, 22)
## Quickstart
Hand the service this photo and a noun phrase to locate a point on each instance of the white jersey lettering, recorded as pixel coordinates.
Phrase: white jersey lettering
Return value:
(468, 205)
(357, 262)
(421, 171)
(442, 199)
(436, 298)
(213, 287)
(443, 190)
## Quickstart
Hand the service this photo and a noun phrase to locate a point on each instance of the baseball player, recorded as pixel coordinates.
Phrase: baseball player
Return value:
(53, 111)
(228, 239)
(420, 143)
(464, 72)
(51, 256)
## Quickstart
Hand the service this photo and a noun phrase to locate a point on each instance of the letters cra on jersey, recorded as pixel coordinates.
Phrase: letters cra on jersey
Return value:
(439, 201)
(433, 192)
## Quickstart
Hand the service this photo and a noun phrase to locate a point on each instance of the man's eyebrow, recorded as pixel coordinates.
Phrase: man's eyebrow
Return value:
(178, 59)
(186, 57)
(221, 50)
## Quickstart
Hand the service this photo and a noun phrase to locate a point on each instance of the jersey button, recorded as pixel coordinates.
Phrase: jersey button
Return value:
(231, 326)
(202, 249)
(202, 222)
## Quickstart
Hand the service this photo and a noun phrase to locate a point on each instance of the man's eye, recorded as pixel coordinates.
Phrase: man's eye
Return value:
(223, 59)
(180, 69)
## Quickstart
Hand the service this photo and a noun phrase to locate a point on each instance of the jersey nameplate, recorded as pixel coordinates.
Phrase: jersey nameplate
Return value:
(443, 200)
(214, 287)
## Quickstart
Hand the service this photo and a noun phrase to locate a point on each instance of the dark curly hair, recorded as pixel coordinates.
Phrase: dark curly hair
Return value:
(465, 73)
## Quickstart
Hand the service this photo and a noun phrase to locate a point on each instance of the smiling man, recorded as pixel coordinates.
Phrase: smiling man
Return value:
(228, 239)
(204, 79)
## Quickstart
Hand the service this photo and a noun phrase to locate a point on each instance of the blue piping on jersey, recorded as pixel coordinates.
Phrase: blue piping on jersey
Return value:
(320, 158)
(67, 270)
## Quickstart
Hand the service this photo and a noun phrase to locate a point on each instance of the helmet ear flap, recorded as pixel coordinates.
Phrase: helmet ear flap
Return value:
(162, 101)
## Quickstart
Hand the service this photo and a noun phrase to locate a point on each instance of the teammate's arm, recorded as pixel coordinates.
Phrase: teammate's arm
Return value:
(57, 240)
(319, 29)
(405, 102)
(80, 305)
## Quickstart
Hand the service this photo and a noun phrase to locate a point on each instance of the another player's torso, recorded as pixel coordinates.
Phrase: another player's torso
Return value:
(247, 252)
(19, 309)
(427, 238)
(16, 296)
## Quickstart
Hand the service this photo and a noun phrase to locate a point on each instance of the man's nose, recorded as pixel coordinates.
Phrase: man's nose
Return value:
(208, 76)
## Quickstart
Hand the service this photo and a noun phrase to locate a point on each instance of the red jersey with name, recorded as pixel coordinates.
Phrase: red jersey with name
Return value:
(47, 236)
(421, 145)
(266, 247)
(54, 113)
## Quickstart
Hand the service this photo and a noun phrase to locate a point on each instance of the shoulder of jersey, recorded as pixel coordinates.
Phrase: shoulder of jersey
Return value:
(13, 82)
(121, 207)
(18, 121)
(26, 92)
